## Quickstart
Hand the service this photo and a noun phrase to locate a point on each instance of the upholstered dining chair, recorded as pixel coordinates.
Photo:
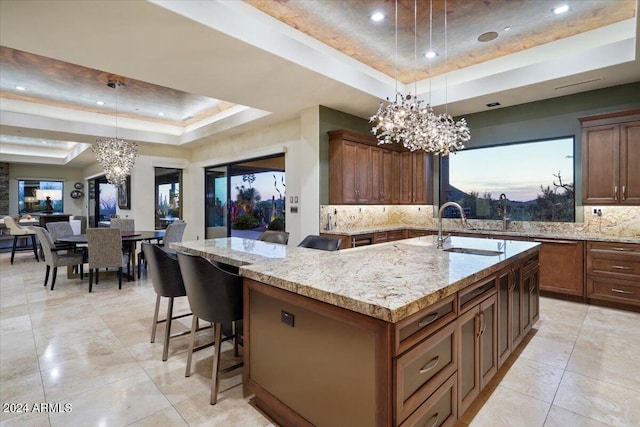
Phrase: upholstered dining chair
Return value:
(124, 224)
(273, 236)
(105, 251)
(18, 231)
(172, 234)
(55, 259)
(324, 243)
(215, 296)
(58, 230)
(167, 282)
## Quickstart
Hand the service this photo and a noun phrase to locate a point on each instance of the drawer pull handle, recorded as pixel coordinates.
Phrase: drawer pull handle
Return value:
(428, 320)
(429, 366)
(620, 249)
(615, 192)
(620, 267)
(624, 193)
(620, 291)
(435, 419)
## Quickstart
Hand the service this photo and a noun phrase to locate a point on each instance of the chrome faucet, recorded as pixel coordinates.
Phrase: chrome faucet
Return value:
(502, 210)
(463, 221)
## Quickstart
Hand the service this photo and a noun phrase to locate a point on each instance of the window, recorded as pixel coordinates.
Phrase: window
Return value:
(536, 177)
(32, 198)
(168, 208)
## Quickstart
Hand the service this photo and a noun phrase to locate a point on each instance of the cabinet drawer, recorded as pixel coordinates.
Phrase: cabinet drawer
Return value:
(380, 237)
(415, 328)
(421, 370)
(624, 291)
(395, 235)
(471, 296)
(617, 248)
(440, 410)
(611, 265)
(419, 233)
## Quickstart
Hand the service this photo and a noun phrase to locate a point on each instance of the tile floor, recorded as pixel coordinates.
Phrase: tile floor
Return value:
(581, 367)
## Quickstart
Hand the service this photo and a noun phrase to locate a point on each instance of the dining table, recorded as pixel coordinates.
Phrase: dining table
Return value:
(130, 240)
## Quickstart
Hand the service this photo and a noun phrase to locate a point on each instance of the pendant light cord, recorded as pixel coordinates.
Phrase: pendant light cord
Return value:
(396, 51)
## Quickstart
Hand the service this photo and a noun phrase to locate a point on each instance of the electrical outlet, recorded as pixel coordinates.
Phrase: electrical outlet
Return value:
(595, 211)
(599, 212)
(287, 318)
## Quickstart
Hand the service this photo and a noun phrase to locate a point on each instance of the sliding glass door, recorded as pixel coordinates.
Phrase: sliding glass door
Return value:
(243, 199)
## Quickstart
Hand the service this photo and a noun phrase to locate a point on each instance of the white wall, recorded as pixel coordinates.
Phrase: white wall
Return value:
(295, 138)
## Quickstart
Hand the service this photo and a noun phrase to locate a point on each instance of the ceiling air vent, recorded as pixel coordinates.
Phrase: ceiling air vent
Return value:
(597, 79)
(493, 104)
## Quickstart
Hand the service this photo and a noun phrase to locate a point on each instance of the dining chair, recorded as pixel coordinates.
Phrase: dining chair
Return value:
(215, 296)
(172, 234)
(60, 229)
(105, 251)
(324, 243)
(18, 231)
(54, 258)
(273, 236)
(167, 282)
(124, 224)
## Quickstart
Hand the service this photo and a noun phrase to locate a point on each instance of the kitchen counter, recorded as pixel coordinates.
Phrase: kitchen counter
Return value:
(492, 232)
(389, 281)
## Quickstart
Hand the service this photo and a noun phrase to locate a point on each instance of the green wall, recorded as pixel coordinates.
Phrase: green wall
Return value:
(331, 120)
(550, 118)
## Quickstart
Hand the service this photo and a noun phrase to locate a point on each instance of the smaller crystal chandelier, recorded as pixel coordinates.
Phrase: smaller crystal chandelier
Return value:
(115, 155)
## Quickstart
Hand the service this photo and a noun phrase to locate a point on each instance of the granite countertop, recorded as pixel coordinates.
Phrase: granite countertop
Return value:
(237, 251)
(388, 281)
(530, 234)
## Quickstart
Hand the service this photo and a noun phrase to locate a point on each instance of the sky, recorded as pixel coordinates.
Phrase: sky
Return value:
(263, 183)
(528, 166)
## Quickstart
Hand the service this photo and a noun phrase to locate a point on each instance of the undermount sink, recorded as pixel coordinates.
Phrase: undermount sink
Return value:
(471, 251)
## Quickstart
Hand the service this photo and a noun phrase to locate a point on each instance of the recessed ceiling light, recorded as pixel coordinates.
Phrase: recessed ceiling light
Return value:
(21, 88)
(560, 9)
(507, 28)
(377, 16)
(100, 102)
(493, 104)
(160, 113)
(431, 54)
(44, 142)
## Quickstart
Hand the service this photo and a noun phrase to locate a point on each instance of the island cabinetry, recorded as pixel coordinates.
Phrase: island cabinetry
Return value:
(611, 159)
(310, 363)
(613, 272)
(478, 334)
(562, 266)
(530, 287)
(425, 360)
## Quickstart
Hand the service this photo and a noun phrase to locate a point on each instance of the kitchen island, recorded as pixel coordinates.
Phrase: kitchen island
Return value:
(394, 334)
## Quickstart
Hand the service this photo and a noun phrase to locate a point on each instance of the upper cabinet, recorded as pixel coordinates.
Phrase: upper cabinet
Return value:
(361, 172)
(611, 159)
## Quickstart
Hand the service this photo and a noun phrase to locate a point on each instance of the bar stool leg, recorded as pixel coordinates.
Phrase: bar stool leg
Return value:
(167, 330)
(216, 363)
(13, 251)
(155, 320)
(192, 339)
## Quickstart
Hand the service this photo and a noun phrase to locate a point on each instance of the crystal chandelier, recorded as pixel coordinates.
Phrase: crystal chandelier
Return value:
(115, 155)
(407, 122)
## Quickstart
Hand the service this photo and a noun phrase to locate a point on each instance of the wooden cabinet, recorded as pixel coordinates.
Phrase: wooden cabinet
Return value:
(611, 159)
(389, 236)
(349, 168)
(478, 334)
(360, 172)
(613, 272)
(415, 178)
(530, 293)
(562, 266)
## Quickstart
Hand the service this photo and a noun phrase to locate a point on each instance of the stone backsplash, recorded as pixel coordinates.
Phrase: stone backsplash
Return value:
(618, 221)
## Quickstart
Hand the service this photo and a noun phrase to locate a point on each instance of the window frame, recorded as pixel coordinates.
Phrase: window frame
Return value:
(444, 175)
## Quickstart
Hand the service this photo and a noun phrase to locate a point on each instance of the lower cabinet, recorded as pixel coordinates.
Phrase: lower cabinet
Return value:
(613, 272)
(478, 356)
(439, 410)
(562, 266)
